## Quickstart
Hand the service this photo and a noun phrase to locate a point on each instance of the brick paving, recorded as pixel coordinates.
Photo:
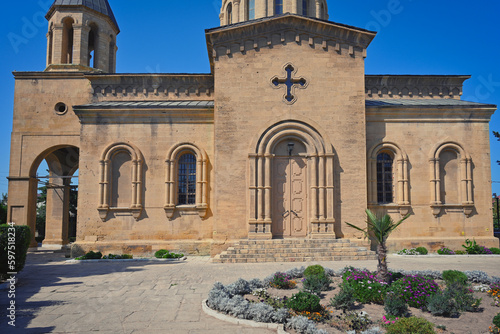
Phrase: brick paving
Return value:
(53, 296)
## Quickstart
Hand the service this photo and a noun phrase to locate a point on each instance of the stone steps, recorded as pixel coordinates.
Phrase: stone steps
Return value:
(293, 250)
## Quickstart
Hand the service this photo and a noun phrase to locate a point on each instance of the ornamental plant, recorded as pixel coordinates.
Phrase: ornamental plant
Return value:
(452, 276)
(494, 292)
(412, 325)
(304, 301)
(495, 250)
(495, 329)
(422, 250)
(282, 281)
(165, 254)
(317, 283)
(17, 238)
(395, 306)
(410, 251)
(314, 270)
(380, 227)
(445, 251)
(344, 300)
(415, 290)
(366, 286)
(90, 256)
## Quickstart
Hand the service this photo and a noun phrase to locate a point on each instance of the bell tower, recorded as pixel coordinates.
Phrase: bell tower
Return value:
(235, 11)
(82, 36)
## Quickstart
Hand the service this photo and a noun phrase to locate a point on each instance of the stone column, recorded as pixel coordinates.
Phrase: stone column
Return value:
(57, 213)
(236, 11)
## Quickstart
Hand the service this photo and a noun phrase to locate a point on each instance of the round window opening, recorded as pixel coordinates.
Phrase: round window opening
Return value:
(61, 108)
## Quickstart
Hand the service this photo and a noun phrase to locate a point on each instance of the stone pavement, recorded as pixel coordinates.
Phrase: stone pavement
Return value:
(53, 296)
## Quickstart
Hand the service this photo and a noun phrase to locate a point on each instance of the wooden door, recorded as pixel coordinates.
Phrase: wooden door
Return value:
(289, 197)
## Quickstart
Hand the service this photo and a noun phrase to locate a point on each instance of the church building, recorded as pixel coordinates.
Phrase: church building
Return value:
(284, 141)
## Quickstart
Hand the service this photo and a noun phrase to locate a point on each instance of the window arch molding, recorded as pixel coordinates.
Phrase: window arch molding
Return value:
(401, 179)
(137, 183)
(465, 172)
(172, 162)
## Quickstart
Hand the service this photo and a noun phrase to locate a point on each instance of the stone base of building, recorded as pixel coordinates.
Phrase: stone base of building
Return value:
(145, 248)
(433, 244)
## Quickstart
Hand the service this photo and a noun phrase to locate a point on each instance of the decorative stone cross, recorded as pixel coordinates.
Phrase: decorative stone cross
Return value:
(290, 83)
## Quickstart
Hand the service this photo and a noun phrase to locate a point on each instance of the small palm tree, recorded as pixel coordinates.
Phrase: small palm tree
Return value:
(380, 227)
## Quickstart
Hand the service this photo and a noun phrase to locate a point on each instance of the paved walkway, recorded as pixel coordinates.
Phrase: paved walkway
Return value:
(53, 296)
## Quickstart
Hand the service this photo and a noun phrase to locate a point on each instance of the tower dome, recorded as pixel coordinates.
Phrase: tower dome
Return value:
(235, 11)
(82, 36)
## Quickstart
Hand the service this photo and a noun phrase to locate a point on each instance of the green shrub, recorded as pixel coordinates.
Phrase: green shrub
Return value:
(304, 301)
(495, 250)
(90, 256)
(460, 252)
(14, 243)
(496, 320)
(118, 257)
(165, 254)
(395, 306)
(159, 254)
(442, 306)
(445, 251)
(454, 299)
(314, 270)
(463, 296)
(344, 300)
(422, 250)
(452, 276)
(317, 283)
(411, 325)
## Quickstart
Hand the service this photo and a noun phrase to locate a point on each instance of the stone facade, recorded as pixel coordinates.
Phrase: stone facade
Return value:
(285, 138)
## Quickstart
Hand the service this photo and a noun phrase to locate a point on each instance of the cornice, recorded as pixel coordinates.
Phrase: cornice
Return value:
(421, 114)
(281, 30)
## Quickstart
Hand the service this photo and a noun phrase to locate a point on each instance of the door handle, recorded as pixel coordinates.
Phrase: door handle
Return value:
(285, 214)
(295, 213)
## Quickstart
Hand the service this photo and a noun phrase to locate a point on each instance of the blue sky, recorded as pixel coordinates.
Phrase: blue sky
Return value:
(157, 36)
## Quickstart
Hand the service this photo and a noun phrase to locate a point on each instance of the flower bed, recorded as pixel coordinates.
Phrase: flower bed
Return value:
(362, 304)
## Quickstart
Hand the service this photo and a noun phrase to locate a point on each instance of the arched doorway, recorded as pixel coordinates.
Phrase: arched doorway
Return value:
(291, 183)
(289, 197)
(55, 180)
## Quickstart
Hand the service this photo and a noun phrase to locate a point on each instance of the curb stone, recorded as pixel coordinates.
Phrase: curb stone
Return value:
(73, 261)
(280, 329)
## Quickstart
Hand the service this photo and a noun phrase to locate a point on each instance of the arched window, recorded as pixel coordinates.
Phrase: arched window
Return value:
(121, 179)
(278, 7)
(305, 7)
(385, 178)
(50, 44)
(388, 177)
(186, 181)
(121, 183)
(451, 179)
(93, 46)
(67, 42)
(229, 13)
(112, 47)
(251, 9)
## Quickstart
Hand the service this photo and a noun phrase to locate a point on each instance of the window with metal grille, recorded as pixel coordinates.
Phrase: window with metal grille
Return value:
(251, 9)
(187, 179)
(278, 7)
(385, 193)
